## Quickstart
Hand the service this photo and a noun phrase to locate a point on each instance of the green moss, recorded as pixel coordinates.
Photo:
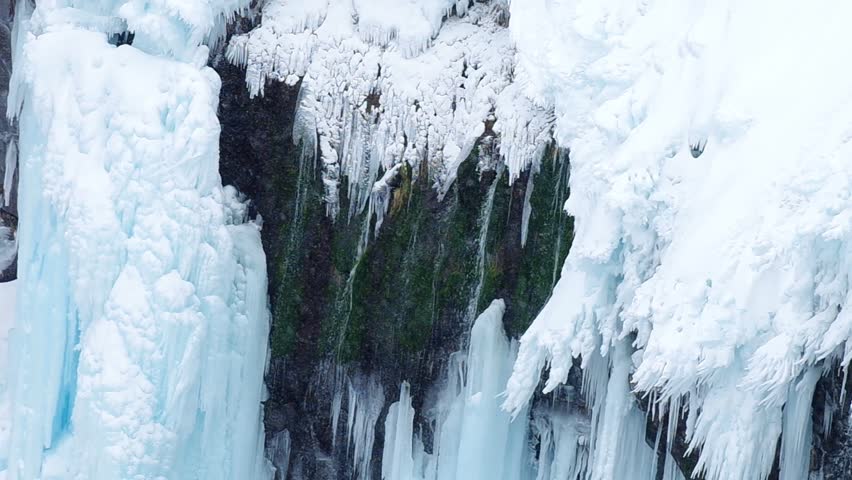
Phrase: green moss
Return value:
(416, 277)
(550, 231)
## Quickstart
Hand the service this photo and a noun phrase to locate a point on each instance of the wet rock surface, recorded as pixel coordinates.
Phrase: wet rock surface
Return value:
(8, 135)
(401, 306)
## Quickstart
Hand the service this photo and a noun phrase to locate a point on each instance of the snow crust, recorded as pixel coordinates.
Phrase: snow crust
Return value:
(141, 336)
(385, 82)
(710, 185)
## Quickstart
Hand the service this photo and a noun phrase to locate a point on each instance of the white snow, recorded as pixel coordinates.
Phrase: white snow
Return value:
(730, 264)
(141, 340)
(385, 82)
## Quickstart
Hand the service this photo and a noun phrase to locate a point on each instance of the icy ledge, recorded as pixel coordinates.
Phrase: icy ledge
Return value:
(386, 82)
(710, 182)
(141, 334)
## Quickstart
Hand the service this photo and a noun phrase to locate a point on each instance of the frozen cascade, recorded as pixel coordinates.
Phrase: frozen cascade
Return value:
(11, 163)
(563, 449)
(796, 440)
(482, 243)
(366, 400)
(397, 456)
(8, 247)
(8, 302)
(473, 438)
(278, 452)
(144, 354)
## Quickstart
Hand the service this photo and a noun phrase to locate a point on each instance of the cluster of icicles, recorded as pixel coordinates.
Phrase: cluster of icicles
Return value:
(463, 433)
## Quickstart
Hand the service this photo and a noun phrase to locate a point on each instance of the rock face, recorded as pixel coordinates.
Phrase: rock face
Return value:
(353, 302)
(8, 135)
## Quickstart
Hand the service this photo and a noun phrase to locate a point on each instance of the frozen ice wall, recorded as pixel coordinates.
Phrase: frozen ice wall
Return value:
(473, 438)
(8, 301)
(710, 184)
(141, 335)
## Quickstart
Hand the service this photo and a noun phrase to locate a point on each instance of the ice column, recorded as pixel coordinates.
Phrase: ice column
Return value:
(141, 340)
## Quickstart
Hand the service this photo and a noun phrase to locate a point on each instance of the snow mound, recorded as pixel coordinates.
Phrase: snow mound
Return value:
(710, 182)
(141, 340)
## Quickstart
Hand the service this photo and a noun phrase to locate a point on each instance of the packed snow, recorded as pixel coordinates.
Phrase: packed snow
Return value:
(141, 340)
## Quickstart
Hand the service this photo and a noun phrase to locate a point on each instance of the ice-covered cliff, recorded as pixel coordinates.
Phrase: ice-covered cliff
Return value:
(384, 82)
(710, 182)
(141, 334)
(410, 160)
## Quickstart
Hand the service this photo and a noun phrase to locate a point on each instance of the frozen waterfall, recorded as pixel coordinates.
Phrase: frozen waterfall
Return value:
(473, 438)
(140, 346)
(704, 303)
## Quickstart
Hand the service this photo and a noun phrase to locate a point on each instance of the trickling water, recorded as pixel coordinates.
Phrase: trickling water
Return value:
(482, 243)
(9, 175)
(557, 208)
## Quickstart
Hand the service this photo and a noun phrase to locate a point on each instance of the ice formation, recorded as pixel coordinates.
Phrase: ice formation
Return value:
(8, 247)
(8, 301)
(385, 82)
(140, 348)
(10, 165)
(710, 185)
(473, 438)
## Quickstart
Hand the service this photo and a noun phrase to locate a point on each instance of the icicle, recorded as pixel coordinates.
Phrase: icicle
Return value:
(796, 439)
(563, 445)
(397, 460)
(9, 172)
(17, 83)
(482, 243)
(474, 439)
(366, 400)
(525, 216)
(355, 62)
(336, 404)
(381, 195)
(278, 452)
